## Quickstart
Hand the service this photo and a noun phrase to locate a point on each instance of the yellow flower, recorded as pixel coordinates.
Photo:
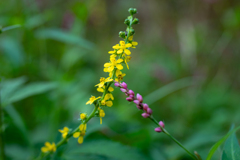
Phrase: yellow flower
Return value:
(81, 133)
(109, 67)
(103, 81)
(83, 116)
(101, 114)
(123, 48)
(49, 147)
(64, 132)
(119, 76)
(126, 60)
(92, 99)
(134, 44)
(110, 89)
(130, 38)
(106, 103)
(109, 96)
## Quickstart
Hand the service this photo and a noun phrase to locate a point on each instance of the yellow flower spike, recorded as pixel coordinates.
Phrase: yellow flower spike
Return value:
(83, 116)
(49, 147)
(103, 81)
(83, 127)
(109, 67)
(92, 99)
(64, 132)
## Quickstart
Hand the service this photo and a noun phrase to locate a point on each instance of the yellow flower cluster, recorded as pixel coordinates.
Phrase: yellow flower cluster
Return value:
(49, 147)
(80, 133)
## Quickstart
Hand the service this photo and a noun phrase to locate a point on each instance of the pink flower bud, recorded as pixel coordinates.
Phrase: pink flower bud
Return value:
(145, 106)
(145, 115)
(161, 124)
(130, 99)
(123, 90)
(158, 129)
(139, 97)
(149, 111)
(131, 96)
(124, 85)
(136, 102)
(131, 92)
(139, 107)
(117, 84)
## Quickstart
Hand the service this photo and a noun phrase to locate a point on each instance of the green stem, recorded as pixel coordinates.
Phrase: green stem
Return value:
(1, 131)
(11, 27)
(175, 140)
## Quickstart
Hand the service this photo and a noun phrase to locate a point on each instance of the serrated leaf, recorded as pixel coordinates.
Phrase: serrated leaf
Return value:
(231, 150)
(30, 90)
(218, 143)
(65, 37)
(108, 149)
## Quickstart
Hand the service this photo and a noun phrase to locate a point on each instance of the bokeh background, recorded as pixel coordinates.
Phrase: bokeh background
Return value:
(186, 66)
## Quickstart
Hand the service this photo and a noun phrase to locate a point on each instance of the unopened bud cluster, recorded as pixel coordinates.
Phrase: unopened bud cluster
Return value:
(138, 100)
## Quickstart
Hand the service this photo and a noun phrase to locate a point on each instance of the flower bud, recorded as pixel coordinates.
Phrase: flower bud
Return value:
(145, 115)
(131, 95)
(132, 31)
(149, 111)
(158, 129)
(161, 124)
(122, 34)
(145, 106)
(136, 102)
(139, 97)
(123, 90)
(139, 107)
(124, 85)
(132, 11)
(83, 116)
(117, 84)
(127, 22)
(130, 99)
(135, 21)
(131, 92)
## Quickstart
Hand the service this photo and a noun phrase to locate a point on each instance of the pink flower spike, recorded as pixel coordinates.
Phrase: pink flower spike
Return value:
(123, 90)
(145, 106)
(149, 111)
(158, 129)
(117, 84)
(145, 115)
(161, 124)
(136, 102)
(139, 97)
(131, 92)
(129, 99)
(124, 85)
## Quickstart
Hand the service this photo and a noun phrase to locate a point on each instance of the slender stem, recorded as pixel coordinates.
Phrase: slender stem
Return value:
(169, 135)
(11, 27)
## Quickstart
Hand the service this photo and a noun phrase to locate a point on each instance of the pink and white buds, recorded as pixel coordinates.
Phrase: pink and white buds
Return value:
(123, 90)
(117, 84)
(149, 111)
(131, 92)
(161, 124)
(136, 102)
(124, 85)
(145, 115)
(139, 97)
(145, 106)
(130, 99)
(158, 129)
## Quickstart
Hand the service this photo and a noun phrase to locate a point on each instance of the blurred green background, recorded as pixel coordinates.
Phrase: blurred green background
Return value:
(186, 66)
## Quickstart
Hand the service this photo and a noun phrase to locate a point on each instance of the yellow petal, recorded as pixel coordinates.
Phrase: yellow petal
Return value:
(119, 60)
(130, 38)
(80, 140)
(111, 52)
(47, 144)
(109, 103)
(110, 69)
(64, 135)
(100, 89)
(61, 131)
(76, 134)
(107, 64)
(44, 149)
(134, 43)
(105, 69)
(128, 45)
(119, 51)
(119, 66)
(110, 89)
(122, 43)
(127, 51)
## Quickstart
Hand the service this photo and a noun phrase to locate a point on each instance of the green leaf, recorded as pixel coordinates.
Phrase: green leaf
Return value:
(65, 37)
(29, 90)
(168, 89)
(216, 145)
(108, 149)
(8, 87)
(231, 150)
